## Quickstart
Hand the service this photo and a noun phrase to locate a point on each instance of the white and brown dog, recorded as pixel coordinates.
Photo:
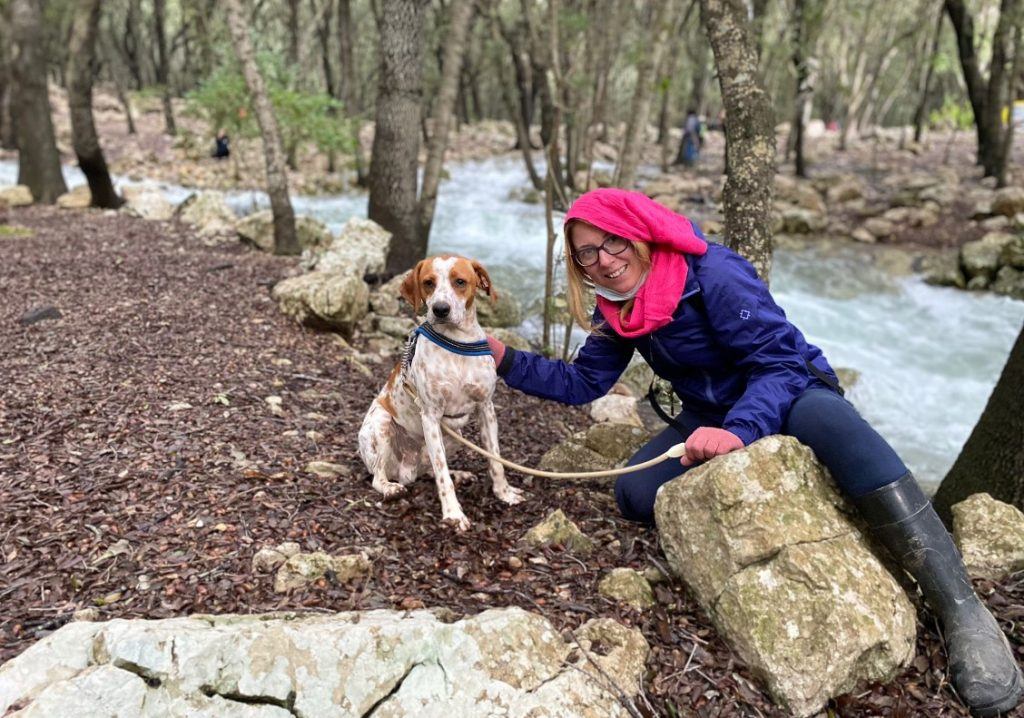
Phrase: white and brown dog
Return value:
(398, 437)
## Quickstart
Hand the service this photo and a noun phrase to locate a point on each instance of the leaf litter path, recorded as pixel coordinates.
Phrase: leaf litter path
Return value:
(141, 468)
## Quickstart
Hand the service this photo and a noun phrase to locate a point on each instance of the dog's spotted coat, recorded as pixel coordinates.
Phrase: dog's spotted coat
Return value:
(398, 438)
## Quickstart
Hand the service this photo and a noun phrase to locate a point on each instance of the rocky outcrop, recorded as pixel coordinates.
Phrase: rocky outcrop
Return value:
(78, 198)
(17, 196)
(336, 300)
(604, 445)
(147, 203)
(361, 246)
(761, 538)
(990, 535)
(1008, 201)
(501, 312)
(208, 213)
(392, 664)
(257, 229)
(615, 408)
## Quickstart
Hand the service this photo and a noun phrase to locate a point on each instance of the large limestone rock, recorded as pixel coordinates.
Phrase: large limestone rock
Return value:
(392, 664)
(797, 220)
(258, 230)
(761, 538)
(208, 213)
(147, 203)
(980, 258)
(604, 445)
(333, 299)
(17, 196)
(361, 243)
(501, 312)
(616, 408)
(627, 586)
(1008, 201)
(990, 535)
(800, 193)
(1009, 281)
(78, 198)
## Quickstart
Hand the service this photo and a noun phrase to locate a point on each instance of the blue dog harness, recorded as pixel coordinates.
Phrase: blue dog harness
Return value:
(466, 349)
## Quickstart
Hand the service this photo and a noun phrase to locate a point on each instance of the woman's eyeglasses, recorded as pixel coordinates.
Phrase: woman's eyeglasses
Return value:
(589, 255)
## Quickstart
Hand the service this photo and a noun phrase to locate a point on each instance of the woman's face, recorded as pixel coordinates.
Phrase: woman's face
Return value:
(618, 272)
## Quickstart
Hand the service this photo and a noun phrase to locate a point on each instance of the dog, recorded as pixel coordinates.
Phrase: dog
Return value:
(399, 436)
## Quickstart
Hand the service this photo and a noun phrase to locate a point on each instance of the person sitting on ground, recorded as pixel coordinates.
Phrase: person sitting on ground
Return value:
(702, 319)
(222, 146)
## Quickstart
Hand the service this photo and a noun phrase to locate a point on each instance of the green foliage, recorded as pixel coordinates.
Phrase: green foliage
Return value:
(953, 115)
(224, 101)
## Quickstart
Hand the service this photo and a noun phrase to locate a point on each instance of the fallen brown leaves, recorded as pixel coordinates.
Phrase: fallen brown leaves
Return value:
(141, 468)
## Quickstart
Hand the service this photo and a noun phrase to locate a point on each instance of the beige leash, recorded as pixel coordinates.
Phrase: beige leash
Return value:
(674, 452)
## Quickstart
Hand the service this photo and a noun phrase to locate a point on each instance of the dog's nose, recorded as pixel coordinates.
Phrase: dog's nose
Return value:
(441, 310)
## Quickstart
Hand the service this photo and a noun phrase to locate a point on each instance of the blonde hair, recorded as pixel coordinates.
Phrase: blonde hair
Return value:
(577, 292)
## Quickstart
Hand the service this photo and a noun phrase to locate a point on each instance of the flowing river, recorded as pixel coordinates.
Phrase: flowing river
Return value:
(928, 357)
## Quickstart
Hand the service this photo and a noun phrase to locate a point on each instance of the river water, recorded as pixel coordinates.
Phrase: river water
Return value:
(928, 357)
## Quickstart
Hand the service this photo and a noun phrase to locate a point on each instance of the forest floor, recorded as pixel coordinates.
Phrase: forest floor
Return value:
(141, 468)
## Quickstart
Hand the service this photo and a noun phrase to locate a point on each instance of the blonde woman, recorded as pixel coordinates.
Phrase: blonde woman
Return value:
(704, 321)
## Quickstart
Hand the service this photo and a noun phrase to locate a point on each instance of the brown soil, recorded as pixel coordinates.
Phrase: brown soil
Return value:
(92, 453)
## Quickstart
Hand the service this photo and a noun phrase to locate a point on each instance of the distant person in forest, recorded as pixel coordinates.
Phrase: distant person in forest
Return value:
(702, 319)
(693, 139)
(222, 145)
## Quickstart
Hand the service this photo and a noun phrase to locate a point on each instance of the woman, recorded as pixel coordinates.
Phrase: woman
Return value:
(701, 318)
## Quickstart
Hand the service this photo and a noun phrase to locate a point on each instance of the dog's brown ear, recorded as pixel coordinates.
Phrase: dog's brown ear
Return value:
(411, 288)
(485, 280)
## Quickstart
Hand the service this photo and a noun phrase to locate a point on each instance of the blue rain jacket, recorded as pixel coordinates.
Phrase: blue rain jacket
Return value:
(729, 352)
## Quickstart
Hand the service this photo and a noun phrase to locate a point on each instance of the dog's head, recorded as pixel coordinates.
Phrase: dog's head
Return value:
(447, 286)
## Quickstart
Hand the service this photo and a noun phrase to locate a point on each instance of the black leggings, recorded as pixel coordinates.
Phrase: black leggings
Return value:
(858, 457)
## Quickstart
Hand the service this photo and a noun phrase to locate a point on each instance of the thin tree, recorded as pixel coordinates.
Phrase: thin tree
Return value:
(396, 142)
(992, 460)
(459, 14)
(162, 64)
(806, 20)
(348, 88)
(286, 240)
(749, 135)
(924, 89)
(987, 97)
(81, 71)
(8, 140)
(38, 159)
(657, 13)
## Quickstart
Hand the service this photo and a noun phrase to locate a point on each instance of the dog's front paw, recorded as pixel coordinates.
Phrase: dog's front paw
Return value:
(390, 490)
(457, 521)
(511, 495)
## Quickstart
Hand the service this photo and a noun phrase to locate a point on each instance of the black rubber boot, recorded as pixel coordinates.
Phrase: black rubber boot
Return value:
(982, 668)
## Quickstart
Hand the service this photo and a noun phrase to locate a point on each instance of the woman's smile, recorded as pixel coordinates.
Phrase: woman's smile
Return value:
(617, 272)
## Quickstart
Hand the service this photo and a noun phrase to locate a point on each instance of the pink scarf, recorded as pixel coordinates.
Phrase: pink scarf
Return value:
(636, 217)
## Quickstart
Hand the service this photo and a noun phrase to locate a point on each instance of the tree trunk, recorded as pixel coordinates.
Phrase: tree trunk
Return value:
(38, 159)
(396, 142)
(8, 139)
(81, 71)
(999, 83)
(293, 34)
(748, 133)
(348, 87)
(324, 33)
(992, 460)
(459, 15)
(162, 70)
(647, 68)
(286, 240)
(926, 83)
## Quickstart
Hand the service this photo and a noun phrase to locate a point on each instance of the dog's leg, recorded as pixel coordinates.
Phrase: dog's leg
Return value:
(451, 510)
(376, 446)
(388, 488)
(489, 435)
(409, 467)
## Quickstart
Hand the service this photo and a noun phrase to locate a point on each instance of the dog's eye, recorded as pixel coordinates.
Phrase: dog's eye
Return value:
(429, 284)
(460, 282)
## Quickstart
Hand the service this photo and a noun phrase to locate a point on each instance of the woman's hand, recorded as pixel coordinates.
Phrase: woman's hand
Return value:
(497, 349)
(707, 442)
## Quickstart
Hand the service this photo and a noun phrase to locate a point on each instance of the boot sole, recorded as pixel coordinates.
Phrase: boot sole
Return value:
(1004, 704)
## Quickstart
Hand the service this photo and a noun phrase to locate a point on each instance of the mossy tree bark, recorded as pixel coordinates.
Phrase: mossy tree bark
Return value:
(286, 240)
(749, 135)
(38, 159)
(81, 71)
(992, 460)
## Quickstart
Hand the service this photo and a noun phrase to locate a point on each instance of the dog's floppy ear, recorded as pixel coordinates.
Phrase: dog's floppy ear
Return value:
(484, 279)
(411, 288)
